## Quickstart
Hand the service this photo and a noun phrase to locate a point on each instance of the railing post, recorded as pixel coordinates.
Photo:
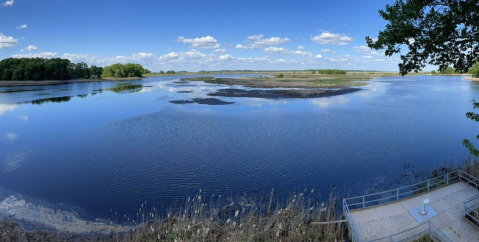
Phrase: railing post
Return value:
(429, 227)
(397, 194)
(447, 179)
(428, 185)
(363, 202)
(390, 238)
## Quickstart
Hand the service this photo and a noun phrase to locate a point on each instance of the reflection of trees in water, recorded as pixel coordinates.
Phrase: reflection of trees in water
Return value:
(82, 95)
(50, 100)
(121, 87)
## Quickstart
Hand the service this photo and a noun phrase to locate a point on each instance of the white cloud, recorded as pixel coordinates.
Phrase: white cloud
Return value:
(21, 50)
(318, 56)
(327, 38)
(8, 3)
(7, 41)
(226, 57)
(328, 101)
(7, 107)
(342, 58)
(22, 26)
(275, 50)
(379, 60)
(41, 55)
(328, 51)
(361, 49)
(31, 48)
(12, 136)
(367, 57)
(182, 56)
(23, 117)
(207, 42)
(281, 50)
(220, 50)
(300, 47)
(259, 42)
(87, 58)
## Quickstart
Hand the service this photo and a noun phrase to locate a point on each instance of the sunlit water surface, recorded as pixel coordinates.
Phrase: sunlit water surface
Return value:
(101, 147)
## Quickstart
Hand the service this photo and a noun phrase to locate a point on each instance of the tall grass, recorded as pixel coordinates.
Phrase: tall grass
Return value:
(244, 220)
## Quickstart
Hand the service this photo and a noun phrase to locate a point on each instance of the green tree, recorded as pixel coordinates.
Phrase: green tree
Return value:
(120, 70)
(433, 72)
(436, 32)
(474, 70)
(448, 71)
(95, 72)
(474, 117)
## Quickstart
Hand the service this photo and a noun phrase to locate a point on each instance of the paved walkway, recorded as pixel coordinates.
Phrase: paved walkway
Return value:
(393, 218)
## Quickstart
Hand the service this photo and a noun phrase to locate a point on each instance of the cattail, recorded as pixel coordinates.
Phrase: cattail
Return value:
(228, 221)
(236, 213)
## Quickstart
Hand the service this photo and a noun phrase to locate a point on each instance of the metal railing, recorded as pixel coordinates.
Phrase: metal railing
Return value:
(352, 227)
(427, 229)
(471, 207)
(380, 198)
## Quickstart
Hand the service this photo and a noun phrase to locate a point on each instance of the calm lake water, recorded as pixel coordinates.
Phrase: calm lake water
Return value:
(102, 146)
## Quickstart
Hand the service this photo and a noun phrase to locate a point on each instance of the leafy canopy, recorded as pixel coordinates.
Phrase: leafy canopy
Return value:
(436, 32)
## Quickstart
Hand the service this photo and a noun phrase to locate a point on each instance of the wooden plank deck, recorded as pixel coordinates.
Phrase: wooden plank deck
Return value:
(448, 202)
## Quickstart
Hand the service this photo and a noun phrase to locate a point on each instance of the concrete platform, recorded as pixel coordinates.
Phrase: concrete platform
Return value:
(448, 202)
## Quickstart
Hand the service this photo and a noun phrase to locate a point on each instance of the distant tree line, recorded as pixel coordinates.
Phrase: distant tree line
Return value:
(14, 69)
(124, 70)
(474, 70)
(331, 71)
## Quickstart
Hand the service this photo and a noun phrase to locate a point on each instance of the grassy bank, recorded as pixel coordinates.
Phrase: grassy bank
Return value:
(243, 220)
(295, 80)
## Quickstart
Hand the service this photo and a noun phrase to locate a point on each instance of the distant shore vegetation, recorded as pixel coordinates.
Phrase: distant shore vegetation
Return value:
(38, 69)
(332, 72)
(41, 69)
(124, 70)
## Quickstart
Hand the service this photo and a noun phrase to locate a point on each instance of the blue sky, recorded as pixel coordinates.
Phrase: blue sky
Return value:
(198, 35)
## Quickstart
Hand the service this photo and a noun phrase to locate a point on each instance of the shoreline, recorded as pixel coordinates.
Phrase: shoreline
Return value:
(59, 82)
(242, 218)
(475, 79)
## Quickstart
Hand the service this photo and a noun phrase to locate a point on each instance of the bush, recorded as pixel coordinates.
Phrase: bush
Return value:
(120, 70)
(474, 70)
(448, 71)
(433, 72)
